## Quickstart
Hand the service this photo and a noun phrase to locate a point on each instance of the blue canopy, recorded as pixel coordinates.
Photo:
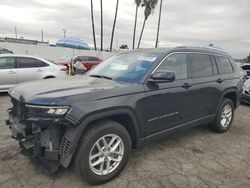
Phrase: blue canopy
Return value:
(73, 43)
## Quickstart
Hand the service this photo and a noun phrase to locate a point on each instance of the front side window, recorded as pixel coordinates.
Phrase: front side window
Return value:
(200, 65)
(224, 65)
(127, 67)
(7, 62)
(176, 63)
(24, 62)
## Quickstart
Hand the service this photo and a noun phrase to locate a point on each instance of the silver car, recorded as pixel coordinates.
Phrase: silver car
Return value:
(15, 69)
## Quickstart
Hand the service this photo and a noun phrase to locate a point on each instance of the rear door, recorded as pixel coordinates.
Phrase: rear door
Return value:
(7, 72)
(30, 69)
(205, 91)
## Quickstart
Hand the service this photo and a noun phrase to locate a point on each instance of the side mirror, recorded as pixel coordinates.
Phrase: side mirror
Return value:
(162, 77)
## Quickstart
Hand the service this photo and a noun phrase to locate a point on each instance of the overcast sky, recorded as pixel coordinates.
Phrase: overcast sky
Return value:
(224, 23)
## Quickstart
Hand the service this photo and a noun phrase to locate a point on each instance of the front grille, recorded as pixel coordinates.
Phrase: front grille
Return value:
(65, 146)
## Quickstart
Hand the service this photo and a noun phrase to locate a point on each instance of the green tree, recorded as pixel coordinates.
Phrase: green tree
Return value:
(113, 29)
(149, 7)
(93, 24)
(137, 3)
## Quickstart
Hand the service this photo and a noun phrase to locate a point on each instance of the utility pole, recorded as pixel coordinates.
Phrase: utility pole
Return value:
(42, 35)
(101, 25)
(16, 32)
(64, 33)
(158, 28)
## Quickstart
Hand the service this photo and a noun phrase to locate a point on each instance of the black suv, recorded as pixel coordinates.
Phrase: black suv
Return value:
(124, 102)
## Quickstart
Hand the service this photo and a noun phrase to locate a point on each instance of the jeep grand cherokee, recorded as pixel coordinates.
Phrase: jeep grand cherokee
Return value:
(126, 101)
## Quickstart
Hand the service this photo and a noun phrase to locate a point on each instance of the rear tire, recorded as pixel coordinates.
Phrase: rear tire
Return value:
(98, 162)
(224, 116)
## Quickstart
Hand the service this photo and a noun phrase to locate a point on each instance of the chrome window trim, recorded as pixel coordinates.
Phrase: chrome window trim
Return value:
(183, 52)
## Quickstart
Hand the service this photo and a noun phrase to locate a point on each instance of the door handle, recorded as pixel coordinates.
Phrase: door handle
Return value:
(219, 80)
(39, 70)
(186, 85)
(11, 72)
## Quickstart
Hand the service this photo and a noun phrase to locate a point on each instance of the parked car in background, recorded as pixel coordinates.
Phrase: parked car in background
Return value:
(242, 72)
(246, 67)
(92, 121)
(87, 62)
(245, 96)
(15, 69)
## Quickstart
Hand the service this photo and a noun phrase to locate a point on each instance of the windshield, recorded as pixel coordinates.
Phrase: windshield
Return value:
(126, 67)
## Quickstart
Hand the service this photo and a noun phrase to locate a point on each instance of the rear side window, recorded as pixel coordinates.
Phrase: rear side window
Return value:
(200, 65)
(7, 62)
(24, 62)
(224, 65)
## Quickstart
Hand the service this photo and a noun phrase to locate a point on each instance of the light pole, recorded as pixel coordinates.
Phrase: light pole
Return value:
(16, 32)
(64, 33)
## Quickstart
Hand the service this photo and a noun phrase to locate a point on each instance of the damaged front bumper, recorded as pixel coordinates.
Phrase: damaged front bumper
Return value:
(42, 139)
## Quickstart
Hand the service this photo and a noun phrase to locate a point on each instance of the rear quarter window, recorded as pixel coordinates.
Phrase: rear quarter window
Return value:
(224, 65)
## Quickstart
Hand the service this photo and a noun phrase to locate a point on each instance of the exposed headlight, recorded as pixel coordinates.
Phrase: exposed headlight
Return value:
(47, 110)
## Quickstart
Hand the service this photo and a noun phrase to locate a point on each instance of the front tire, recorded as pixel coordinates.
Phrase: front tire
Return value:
(103, 153)
(224, 116)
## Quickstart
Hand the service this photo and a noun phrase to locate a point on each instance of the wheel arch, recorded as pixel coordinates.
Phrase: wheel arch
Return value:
(231, 93)
(125, 117)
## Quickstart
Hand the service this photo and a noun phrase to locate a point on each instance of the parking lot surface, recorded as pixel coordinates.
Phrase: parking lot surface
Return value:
(194, 158)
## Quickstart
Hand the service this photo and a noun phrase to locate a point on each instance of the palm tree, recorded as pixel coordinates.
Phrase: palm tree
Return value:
(158, 28)
(101, 26)
(112, 35)
(149, 7)
(93, 24)
(138, 3)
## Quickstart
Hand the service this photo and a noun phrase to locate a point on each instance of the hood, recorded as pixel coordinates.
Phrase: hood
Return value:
(57, 90)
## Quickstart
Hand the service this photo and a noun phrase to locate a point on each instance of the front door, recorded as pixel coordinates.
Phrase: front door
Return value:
(167, 103)
(7, 73)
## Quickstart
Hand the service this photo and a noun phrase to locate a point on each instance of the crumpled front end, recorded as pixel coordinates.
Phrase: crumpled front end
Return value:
(40, 131)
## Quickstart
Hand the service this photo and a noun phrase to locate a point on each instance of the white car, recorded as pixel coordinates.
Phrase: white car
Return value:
(15, 69)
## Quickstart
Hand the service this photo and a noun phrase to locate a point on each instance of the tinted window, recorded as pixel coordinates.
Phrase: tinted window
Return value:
(92, 59)
(200, 65)
(24, 62)
(176, 63)
(83, 58)
(7, 63)
(224, 65)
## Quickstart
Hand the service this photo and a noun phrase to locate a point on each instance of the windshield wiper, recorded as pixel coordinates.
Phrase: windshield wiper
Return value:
(101, 76)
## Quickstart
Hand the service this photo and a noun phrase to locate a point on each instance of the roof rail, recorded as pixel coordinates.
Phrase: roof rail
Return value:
(212, 47)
